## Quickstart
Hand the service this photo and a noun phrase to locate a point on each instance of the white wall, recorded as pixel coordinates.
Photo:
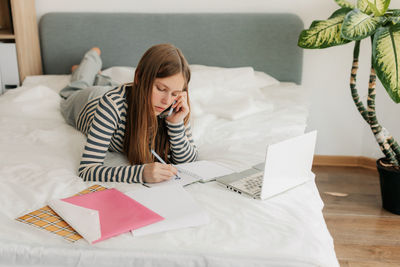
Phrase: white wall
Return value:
(326, 72)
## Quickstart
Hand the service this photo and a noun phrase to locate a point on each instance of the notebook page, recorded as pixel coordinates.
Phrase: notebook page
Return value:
(203, 170)
(192, 172)
(185, 179)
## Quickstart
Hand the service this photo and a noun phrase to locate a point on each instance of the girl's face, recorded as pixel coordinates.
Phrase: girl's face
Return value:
(165, 91)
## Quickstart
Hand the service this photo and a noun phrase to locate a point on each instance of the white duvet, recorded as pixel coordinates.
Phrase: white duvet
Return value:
(40, 155)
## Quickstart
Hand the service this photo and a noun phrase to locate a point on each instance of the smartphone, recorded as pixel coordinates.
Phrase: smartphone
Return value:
(168, 111)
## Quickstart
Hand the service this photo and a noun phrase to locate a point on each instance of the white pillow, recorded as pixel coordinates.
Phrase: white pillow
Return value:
(264, 80)
(229, 93)
(55, 82)
(120, 74)
(208, 77)
(237, 106)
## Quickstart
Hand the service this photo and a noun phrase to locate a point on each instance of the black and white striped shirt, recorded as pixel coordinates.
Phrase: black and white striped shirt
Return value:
(103, 121)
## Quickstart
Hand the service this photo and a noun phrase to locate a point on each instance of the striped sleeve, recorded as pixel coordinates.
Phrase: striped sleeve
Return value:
(183, 149)
(104, 124)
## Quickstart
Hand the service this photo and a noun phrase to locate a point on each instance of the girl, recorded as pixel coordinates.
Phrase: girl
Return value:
(131, 118)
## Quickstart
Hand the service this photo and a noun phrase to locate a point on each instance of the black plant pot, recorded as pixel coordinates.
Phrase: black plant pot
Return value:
(390, 187)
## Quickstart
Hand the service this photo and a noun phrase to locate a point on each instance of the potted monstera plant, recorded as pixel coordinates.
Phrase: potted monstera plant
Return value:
(374, 20)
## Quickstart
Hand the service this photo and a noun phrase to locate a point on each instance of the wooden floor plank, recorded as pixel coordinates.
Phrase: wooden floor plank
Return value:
(367, 264)
(364, 230)
(368, 253)
(364, 233)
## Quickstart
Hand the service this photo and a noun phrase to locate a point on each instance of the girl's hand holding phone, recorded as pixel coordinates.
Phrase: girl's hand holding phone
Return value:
(181, 109)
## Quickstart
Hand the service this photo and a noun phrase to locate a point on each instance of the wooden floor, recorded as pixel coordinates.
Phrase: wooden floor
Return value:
(364, 234)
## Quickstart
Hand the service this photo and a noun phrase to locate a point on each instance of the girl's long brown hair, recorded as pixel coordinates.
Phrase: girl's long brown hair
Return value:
(145, 131)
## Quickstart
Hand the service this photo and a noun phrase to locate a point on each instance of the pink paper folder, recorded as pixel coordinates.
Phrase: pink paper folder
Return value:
(103, 214)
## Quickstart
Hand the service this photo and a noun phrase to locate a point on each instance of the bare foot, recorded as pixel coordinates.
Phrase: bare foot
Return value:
(97, 50)
(74, 67)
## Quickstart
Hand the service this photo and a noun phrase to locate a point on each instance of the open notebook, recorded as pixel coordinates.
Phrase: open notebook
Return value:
(202, 170)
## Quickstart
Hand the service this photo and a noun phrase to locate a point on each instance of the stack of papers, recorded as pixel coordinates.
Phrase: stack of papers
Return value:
(173, 203)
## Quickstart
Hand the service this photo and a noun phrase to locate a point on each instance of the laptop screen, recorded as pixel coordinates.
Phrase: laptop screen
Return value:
(288, 164)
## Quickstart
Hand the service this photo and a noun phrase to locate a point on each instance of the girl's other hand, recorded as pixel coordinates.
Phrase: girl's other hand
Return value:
(181, 109)
(157, 172)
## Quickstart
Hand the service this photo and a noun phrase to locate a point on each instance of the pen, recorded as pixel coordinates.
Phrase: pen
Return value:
(163, 162)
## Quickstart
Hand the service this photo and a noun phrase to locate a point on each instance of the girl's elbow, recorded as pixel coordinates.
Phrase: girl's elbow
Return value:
(195, 156)
(82, 174)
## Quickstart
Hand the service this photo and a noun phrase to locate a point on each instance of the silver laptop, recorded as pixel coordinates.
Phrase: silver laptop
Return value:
(287, 165)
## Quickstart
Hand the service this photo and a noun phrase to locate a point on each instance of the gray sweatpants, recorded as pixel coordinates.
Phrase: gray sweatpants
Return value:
(86, 83)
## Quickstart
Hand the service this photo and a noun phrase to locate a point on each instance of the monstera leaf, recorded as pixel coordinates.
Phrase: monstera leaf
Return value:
(324, 33)
(358, 25)
(386, 59)
(344, 3)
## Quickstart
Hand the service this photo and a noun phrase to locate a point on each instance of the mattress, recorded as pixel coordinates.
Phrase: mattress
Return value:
(40, 155)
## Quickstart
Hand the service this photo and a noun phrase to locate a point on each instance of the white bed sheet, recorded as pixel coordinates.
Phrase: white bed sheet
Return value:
(40, 155)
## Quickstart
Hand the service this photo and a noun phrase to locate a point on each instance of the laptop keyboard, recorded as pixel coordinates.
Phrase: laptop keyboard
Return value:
(250, 184)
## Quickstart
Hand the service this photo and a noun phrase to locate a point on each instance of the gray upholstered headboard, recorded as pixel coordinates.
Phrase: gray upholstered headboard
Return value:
(267, 42)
